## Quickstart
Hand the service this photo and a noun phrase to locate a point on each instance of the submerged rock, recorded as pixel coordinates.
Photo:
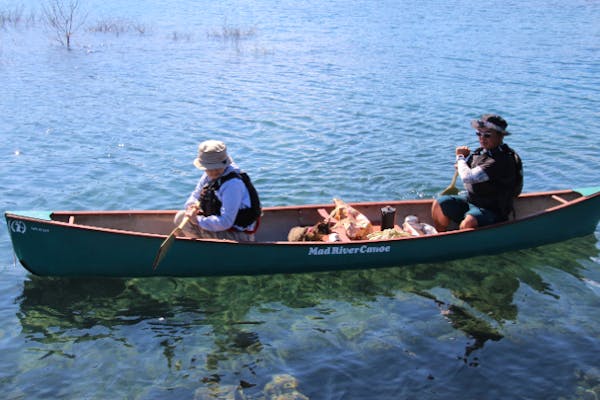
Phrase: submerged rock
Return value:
(283, 387)
(211, 392)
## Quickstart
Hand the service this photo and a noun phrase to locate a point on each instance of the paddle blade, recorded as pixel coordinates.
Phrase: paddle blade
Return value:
(164, 248)
(452, 189)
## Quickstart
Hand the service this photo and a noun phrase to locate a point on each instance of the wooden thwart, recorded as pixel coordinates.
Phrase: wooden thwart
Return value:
(559, 199)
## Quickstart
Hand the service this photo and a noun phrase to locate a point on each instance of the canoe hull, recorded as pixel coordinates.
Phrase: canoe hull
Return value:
(48, 248)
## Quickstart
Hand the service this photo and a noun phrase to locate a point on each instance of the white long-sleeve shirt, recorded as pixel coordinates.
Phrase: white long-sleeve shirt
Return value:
(470, 175)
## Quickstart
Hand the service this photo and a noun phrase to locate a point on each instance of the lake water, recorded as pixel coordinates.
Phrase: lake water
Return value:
(359, 100)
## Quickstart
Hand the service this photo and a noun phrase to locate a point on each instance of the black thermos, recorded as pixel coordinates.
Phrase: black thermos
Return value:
(388, 216)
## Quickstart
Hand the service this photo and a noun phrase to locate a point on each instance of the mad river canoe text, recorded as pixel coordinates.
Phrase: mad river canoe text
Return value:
(341, 250)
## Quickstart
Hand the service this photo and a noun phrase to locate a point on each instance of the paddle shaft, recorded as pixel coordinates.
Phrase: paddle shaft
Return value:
(183, 223)
(454, 177)
(166, 244)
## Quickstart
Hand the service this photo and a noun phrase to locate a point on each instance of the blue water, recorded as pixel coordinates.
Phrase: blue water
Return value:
(359, 100)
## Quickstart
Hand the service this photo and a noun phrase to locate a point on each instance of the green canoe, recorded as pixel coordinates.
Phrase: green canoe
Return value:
(125, 243)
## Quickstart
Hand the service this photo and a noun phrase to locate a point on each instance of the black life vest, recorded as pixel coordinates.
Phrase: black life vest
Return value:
(499, 192)
(518, 172)
(211, 205)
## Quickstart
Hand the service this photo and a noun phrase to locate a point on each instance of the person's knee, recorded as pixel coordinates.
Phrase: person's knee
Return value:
(190, 229)
(440, 220)
(179, 217)
(470, 222)
(436, 210)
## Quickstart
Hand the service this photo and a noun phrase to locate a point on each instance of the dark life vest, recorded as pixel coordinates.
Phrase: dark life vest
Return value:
(519, 172)
(506, 181)
(211, 205)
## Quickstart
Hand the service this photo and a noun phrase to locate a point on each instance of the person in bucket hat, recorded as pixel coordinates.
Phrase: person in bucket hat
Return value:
(221, 205)
(492, 176)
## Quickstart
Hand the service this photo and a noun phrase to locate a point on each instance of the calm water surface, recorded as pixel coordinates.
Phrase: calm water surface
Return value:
(358, 100)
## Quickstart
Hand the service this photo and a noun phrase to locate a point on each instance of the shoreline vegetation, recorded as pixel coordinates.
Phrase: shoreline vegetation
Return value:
(64, 19)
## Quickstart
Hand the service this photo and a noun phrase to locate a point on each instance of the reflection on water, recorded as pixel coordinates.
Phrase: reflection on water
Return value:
(219, 322)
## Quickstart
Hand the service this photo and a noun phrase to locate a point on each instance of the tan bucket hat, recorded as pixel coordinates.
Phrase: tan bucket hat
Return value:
(212, 154)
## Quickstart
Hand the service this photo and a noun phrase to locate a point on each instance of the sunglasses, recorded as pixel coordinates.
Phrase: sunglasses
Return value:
(484, 134)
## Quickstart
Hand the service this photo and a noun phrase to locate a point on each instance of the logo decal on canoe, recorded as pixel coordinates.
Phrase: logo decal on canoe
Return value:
(18, 226)
(343, 250)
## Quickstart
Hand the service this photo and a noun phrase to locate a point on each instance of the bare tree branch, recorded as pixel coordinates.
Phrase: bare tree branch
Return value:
(64, 19)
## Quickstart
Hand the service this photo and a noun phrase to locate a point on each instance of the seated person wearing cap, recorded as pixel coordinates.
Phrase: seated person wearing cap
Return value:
(220, 207)
(489, 176)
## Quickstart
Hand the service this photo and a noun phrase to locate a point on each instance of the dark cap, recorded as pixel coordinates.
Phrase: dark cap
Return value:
(491, 121)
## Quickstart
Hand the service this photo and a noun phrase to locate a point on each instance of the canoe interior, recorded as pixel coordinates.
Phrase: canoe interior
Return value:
(277, 221)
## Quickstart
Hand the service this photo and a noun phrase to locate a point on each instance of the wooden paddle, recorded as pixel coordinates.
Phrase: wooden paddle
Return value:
(164, 247)
(452, 189)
